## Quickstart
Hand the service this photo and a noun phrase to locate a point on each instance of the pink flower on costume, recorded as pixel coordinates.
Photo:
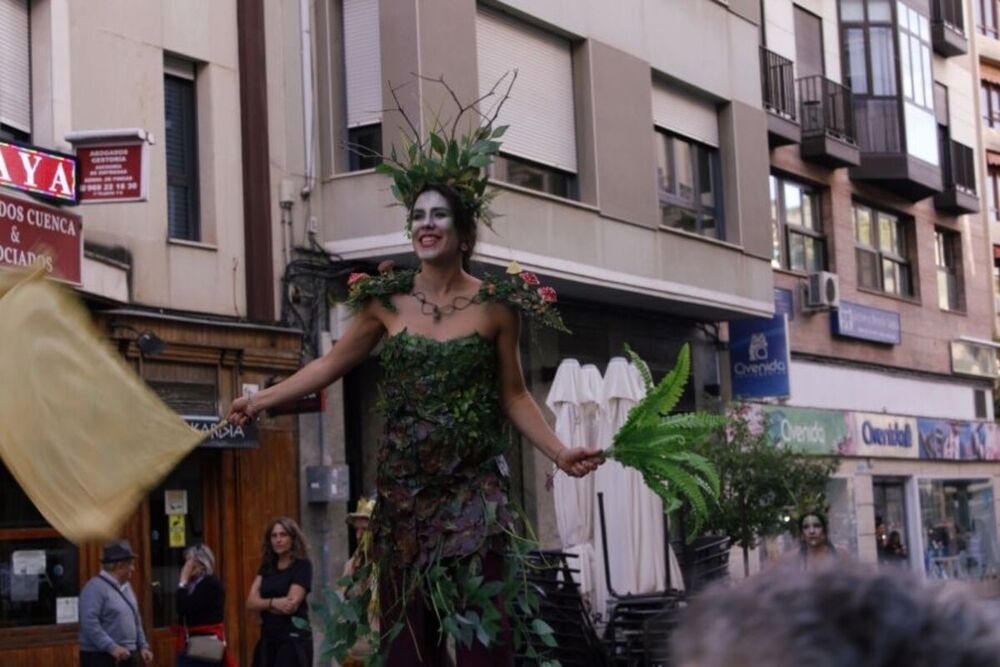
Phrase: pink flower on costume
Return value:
(548, 294)
(529, 278)
(356, 278)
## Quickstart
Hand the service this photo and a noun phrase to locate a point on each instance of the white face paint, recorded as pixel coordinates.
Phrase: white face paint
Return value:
(434, 233)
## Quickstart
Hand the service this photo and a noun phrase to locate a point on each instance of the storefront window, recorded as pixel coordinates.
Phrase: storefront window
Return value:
(39, 571)
(960, 535)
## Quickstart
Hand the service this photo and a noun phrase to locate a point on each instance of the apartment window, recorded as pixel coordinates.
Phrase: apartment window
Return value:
(882, 251)
(986, 17)
(527, 174)
(796, 226)
(993, 191)
(948, 259)
(15, 74)
(364, 146)
(28, 593)
(363, 77)
(869, 58)
(989, 97)
(183, 210)
(540, 146)
(689, 180)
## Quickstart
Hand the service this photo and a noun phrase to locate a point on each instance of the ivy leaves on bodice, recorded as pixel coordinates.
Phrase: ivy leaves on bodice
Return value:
(441, 489)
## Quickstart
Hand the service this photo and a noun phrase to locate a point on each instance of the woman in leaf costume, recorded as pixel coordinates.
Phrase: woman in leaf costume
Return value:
(445, 550)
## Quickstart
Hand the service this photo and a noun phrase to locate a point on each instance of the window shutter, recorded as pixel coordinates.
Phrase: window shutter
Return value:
(540, 110)
(15, 72)
(363, 62)
(685, 114)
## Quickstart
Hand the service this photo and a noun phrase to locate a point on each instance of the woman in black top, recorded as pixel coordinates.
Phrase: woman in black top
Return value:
(201, 602)
(279, 593)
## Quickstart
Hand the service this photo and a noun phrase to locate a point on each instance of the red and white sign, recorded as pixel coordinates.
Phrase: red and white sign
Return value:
(112, 172)
(43, 172)
(30, 232)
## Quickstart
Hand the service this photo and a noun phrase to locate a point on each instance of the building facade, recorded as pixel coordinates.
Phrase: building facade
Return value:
(164, 106)
(632, 178)
(881, 257)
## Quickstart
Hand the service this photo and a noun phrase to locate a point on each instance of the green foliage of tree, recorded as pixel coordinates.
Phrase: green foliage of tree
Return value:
(761, 484)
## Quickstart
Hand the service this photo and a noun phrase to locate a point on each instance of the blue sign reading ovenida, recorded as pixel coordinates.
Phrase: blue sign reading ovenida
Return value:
(759, 357)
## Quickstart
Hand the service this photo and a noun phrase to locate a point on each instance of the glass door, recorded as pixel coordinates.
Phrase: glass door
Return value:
(891, 535)
(176, 521)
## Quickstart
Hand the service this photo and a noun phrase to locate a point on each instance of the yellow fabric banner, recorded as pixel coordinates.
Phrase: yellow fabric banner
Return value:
(85, 438)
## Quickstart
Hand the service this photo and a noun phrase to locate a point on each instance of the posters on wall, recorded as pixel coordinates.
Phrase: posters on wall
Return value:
(865, 434)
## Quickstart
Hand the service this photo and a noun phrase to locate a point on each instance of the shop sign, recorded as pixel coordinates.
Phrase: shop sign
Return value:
(228, 436)
(968, 358)
(30, 233)
(41, 172)
(852, 320)
(113, 172)
(880, 435)
(806, 430)
(957, 440)
(759, 357)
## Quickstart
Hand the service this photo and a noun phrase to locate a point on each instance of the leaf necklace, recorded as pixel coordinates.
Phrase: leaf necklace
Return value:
(433, 310)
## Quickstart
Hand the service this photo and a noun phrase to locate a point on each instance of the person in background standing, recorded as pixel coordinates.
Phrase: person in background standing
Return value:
(815, 547)
(201, 604)
(111, 633)
(278, 594)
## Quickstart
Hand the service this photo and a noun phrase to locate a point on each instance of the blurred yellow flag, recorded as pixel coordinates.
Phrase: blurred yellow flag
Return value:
(83, 436)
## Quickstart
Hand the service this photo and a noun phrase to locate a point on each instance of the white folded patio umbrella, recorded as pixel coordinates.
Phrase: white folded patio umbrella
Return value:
(634, 514)
(573, 497)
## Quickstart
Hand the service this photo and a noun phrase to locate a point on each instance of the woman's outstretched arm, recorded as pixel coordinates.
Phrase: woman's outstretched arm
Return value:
(523, 411)
(358, 341)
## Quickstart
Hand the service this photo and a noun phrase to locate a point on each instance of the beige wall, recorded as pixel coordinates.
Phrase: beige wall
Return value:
(99, 65)
(614, 228)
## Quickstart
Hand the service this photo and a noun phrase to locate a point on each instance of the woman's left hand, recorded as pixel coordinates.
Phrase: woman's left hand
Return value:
(579, 461)
(285, 605)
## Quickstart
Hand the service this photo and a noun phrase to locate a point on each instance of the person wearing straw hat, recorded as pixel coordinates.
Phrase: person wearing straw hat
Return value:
(111, 632)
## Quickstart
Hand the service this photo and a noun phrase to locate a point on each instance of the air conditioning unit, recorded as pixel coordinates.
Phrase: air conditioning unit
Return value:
(822, 291)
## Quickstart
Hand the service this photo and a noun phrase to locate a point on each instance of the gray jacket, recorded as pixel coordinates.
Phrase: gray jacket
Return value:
(106, 619)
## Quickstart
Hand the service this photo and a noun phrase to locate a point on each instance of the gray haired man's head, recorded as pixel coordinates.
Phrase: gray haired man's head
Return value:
(840, 615)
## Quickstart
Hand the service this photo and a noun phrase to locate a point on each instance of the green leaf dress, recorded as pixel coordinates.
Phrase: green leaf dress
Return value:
(443, 512)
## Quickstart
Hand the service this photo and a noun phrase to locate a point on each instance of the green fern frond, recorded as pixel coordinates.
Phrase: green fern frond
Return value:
(659, 446)
(637, 361)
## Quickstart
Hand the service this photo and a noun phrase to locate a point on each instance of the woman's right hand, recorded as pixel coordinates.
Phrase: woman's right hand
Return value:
(242, 411)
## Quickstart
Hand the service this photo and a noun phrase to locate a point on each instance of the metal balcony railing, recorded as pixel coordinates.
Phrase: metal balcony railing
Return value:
(778, 82)
(826, 107)
(959, 168)
(948, 12)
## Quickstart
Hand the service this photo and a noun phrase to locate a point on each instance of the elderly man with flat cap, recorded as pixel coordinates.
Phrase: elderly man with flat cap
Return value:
(111, 632)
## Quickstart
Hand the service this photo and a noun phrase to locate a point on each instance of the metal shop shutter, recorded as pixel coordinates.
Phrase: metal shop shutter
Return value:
(685, 114)
(15, 73)
(363, 62)
(540, 110)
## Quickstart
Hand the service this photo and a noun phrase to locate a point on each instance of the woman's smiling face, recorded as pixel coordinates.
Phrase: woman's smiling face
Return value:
(434, 232)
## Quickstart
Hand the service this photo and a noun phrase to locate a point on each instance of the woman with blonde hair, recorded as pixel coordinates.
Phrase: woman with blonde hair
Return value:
(201, 603)
(278, 594)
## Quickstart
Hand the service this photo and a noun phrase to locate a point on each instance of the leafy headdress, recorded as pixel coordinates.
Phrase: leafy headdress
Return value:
(445, 156)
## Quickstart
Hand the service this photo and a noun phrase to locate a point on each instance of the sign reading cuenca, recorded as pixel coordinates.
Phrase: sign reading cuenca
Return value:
(42, 172)
(112, 172)
(31, 232)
